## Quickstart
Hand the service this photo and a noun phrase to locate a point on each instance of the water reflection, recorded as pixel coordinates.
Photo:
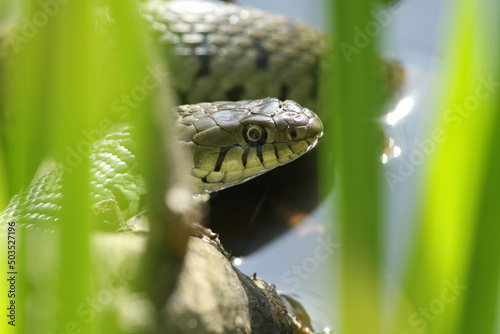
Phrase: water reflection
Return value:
(402, 109)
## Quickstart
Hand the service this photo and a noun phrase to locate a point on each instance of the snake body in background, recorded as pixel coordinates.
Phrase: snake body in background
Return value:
(225, 52)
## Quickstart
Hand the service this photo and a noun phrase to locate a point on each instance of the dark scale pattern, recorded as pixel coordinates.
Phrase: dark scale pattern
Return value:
(262, 56)
(204, 57)
(229, 52)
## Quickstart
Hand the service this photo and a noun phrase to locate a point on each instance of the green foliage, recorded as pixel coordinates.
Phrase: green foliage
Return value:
(65, 69)
(458, 230)
(454, 250)
(355, 141)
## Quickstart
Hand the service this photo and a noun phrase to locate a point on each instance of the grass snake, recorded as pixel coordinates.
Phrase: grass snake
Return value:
(223, 51)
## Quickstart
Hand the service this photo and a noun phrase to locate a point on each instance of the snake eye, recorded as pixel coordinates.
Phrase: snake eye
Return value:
(255, 134)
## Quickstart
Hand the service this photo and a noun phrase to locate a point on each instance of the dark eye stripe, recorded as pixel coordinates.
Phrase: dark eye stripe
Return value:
(276, 153)
(244, 158)
(220, 159)
(259, 154)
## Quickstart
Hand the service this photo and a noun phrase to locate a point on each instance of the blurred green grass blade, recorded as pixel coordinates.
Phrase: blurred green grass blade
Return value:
(353, 135)
(71, 93)
(126, 67)
(138, 64)
(4, 199)
(480, 312)
(481, 297)
(23, 114)
(4, 186)
(62, 86)
(24, 137)
(439, 269)
(146, 67)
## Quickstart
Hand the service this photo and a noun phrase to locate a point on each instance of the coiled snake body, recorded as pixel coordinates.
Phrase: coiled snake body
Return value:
(225, 52)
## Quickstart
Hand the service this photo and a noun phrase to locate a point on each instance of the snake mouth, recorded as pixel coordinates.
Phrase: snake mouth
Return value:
(313, 141)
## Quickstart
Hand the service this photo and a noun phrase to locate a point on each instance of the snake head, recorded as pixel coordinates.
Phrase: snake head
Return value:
(233, 142)
(276, 122)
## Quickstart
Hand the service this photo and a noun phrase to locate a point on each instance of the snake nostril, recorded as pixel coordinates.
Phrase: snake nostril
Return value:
(293, 134)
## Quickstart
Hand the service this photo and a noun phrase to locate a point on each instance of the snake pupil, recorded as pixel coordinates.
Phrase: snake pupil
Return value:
(253, 134)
